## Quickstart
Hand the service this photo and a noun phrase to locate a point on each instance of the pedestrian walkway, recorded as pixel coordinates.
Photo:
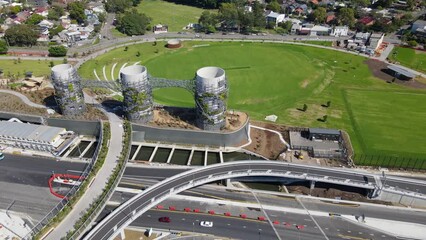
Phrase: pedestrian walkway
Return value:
(23, 98)
(98, 185)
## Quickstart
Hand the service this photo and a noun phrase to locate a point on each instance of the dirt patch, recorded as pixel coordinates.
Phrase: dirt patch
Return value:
(265, 143)
(11, 103)
(379, 70)
(184, 118)
(332, 193)
(304, 84)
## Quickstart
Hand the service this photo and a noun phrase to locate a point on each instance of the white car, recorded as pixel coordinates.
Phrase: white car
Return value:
(206, 224)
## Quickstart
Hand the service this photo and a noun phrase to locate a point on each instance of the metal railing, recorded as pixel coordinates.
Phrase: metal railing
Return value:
(81, 230)
(65, 201)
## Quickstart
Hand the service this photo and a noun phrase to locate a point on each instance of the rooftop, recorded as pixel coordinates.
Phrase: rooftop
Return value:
(401, 71)
(324, 131)
(30, 131)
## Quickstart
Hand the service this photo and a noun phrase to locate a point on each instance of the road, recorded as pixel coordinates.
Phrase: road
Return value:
(237, 228)
(148, 198)
(23, 183)
(278, 199)
(163, 173)
(34, 171)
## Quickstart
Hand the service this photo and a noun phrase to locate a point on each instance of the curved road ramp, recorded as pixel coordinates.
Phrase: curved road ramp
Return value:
(115, 222)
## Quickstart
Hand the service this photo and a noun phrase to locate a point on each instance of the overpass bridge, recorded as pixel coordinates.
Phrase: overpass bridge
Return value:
(120, 218)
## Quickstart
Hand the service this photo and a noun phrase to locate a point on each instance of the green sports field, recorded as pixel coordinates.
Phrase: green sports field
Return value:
(15, 67)
(176, 16)
(409, 57)
(264, 79)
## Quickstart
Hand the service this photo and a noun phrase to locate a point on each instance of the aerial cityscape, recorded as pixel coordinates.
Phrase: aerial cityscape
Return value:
(212, 119)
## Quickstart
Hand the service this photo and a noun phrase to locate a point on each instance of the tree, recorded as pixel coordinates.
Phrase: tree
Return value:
(118, 6)
(346, 16)
(55, 13)
(361, 3)
(412, 43)
(14, 10)
(319, 15)
(57, 51)
(136, 2)
(274, 6)
(258, 15)
(34, 19)
(207, 21)
(133, 23)
(54, 31)
(76, 10)
(305, 107)
(3, 47)
(21, 35)
(228, 14)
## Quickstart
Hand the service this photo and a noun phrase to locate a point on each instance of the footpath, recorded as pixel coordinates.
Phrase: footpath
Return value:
(97, 186)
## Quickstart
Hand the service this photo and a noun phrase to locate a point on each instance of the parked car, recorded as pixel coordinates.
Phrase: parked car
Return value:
(1, 156)
(206, 224)
(164, 219)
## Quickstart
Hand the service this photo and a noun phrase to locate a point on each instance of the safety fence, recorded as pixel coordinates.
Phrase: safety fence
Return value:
(396, 162)
(63, 207)
(85, 221)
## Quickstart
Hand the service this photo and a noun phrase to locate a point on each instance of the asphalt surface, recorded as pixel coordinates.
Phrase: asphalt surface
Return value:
(24, 183)
(237, 228)
(276, 200)
(34, 171)
(163, 173)
(117, 219)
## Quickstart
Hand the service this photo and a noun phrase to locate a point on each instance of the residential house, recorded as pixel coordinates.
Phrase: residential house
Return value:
(91, 18)
(339, 31)
(419, 28)
(314, 30)
(22, 16)
(367, 20)
(160, 29)
(37, 3)
(275, 18)
(331, 16)
(361, 38)
(46, 24)
(42, 11)
(375, 41)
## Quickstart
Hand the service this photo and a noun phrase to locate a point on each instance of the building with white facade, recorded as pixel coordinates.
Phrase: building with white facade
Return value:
(275, 18)
(339, 31)
(34, 137)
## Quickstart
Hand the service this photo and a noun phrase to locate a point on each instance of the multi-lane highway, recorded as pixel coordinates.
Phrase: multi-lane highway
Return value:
(142, 202)
(24, 183)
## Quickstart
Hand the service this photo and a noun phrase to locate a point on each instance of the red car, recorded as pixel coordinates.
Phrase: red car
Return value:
(164, 219)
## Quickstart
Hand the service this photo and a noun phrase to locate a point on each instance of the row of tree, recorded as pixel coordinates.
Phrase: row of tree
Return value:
(232, 16)
(120, 6)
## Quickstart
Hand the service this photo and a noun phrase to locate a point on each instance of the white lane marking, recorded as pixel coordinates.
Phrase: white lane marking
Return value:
(148, 215)
(244, 227)
(183, 219)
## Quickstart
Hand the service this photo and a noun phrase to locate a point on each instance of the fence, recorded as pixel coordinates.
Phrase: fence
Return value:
(65, 201)
(122, 167)
(408, 163)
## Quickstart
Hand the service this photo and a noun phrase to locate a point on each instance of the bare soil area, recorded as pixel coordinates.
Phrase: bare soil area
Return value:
(265, 143)
(184, 118)
(332, 194)
(379, 70)
(11, 103)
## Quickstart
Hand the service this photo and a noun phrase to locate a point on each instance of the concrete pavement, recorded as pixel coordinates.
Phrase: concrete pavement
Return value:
(98, 185)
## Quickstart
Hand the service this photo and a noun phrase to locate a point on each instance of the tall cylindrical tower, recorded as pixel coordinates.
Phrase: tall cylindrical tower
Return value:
(68, 90)
(211, 93)
(137, 93)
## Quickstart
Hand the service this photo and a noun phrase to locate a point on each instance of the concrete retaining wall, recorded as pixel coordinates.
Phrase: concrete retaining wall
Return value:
(148, 133)
(405, 200)
(23, 117)
(90, 128)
